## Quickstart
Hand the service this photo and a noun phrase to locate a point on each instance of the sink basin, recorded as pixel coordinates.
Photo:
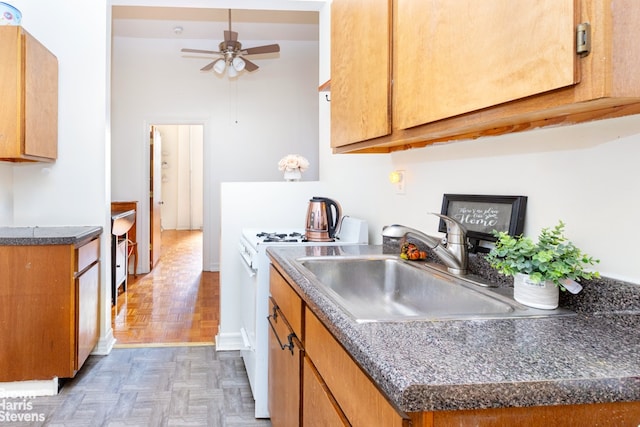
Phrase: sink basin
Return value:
(388, 288)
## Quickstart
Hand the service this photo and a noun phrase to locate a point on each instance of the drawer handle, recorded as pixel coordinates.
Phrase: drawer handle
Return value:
(289, 338)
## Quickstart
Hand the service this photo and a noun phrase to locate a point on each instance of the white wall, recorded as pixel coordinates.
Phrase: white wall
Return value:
(249, 122)
(75, 190)
(6, 193)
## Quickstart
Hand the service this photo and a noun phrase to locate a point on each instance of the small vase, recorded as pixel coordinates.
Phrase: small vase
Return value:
(542, 295)
(293, 175)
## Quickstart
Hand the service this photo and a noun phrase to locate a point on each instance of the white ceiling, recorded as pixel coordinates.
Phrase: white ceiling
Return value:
(201, 23)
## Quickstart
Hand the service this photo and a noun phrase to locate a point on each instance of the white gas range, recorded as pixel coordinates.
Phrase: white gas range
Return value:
(255, 294)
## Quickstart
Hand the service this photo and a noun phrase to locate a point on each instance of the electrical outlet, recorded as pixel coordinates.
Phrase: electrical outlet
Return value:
(401, 183)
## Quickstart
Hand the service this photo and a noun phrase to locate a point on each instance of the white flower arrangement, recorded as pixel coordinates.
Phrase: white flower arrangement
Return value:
(292, 162)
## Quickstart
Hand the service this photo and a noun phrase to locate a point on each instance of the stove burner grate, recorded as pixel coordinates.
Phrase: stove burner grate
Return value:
(293, 237)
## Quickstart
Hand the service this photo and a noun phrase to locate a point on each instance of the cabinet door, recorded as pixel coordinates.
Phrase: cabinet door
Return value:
(285, 358)
(456, 56)
(87, 312)
(319, 408)
(360, 70)
(29, 93)
(37, 322)
(41, 101)
(359, 398)
(10, 93)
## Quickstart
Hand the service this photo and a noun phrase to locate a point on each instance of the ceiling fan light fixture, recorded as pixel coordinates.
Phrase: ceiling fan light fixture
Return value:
(219, 66)
(238, 63)
(231, 71)
(231, 52)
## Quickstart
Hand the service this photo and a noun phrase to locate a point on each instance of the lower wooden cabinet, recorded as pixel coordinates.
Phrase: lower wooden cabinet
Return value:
(366, 407)
(49, 296)
(618, 414)
(319, 408)
(285, 357)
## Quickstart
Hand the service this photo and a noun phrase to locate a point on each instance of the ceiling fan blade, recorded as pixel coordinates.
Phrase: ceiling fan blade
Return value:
(230, 36)
(270, 48)
(201, 51)
(249, 66)
(209, 65)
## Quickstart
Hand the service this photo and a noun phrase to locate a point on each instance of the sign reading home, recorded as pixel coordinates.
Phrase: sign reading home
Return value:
(481, 215)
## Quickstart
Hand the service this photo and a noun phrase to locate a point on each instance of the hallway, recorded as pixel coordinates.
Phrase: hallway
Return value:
(175, 303)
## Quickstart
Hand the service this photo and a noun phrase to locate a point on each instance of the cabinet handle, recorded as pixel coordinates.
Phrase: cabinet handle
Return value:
(288, 346)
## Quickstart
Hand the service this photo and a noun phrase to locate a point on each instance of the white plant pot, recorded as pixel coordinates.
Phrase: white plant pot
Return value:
(542, 295)
(294, 175)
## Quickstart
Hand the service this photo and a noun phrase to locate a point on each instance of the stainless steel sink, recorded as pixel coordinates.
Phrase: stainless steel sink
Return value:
(387, 288)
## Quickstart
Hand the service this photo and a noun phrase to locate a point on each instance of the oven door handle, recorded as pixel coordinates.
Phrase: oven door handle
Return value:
(247, 256)
(250, 271)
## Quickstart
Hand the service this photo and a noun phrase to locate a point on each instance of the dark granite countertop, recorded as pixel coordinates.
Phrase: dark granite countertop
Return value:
(591, 357)
(33, 236)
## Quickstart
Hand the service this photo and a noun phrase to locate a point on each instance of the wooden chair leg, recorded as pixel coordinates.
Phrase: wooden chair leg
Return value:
(133, 251)
(135, 260)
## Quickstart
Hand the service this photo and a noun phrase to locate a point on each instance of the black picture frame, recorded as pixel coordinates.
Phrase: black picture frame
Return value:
(481, 214)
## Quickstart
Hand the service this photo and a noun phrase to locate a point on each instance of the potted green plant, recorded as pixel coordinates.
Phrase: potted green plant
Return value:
(541, 268)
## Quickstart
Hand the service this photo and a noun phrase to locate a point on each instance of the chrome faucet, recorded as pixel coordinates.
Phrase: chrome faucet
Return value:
(452, 250)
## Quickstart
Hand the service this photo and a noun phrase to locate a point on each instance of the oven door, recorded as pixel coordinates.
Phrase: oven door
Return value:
(247, 285)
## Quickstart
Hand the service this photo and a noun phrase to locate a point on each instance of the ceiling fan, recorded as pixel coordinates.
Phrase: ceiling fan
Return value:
(233, 55)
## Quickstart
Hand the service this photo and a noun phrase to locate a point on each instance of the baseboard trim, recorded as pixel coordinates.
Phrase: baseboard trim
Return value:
(229, 341)
(166, 345)
(105, 344)
(29, 388)
(215, 266)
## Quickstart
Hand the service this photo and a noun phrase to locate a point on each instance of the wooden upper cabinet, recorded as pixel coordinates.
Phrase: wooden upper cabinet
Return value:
(465, 69)
(29, 93)
(463, 56)
(360, 70)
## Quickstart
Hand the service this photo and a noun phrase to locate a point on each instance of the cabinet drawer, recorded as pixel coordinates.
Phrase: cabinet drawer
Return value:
(288, 300)
(87, 254)
(367, 407)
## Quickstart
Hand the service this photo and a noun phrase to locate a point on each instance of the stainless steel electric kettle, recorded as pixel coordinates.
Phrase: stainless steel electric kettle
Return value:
(323, 218)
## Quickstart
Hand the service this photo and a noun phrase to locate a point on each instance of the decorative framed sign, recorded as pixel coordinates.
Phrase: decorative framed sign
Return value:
(481, 215)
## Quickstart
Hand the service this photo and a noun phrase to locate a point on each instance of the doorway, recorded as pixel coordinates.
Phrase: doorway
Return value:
(176, 181)
(176, 301)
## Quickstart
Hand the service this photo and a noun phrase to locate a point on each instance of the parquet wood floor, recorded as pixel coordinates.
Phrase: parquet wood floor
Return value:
(176, 302)
(146, 387)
